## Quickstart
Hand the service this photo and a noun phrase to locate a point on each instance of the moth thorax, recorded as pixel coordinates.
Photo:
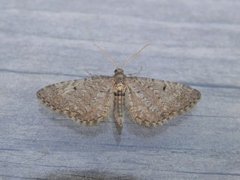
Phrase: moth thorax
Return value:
(119, 79)
(120, 87)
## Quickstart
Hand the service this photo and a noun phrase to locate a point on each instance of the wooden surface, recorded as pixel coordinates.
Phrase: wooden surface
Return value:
(195, 42)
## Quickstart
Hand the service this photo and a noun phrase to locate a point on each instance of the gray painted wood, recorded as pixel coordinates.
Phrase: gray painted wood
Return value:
(195, 42)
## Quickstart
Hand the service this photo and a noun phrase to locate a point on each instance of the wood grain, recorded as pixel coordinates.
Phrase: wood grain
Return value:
(197, 43)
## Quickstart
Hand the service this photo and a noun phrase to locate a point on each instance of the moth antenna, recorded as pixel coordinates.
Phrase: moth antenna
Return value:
(134, 56)
(107, 55)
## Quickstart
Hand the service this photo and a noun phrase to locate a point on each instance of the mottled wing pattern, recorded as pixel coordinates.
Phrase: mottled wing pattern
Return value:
(152, 102)
(87, 101)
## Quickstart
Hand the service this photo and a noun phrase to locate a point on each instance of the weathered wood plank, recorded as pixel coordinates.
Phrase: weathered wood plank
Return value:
(192, 42)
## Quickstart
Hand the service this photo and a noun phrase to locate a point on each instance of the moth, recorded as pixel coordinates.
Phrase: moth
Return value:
(149, 102)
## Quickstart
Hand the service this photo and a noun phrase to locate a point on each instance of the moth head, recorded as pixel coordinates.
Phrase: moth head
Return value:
(119, 76)
(118, 71)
